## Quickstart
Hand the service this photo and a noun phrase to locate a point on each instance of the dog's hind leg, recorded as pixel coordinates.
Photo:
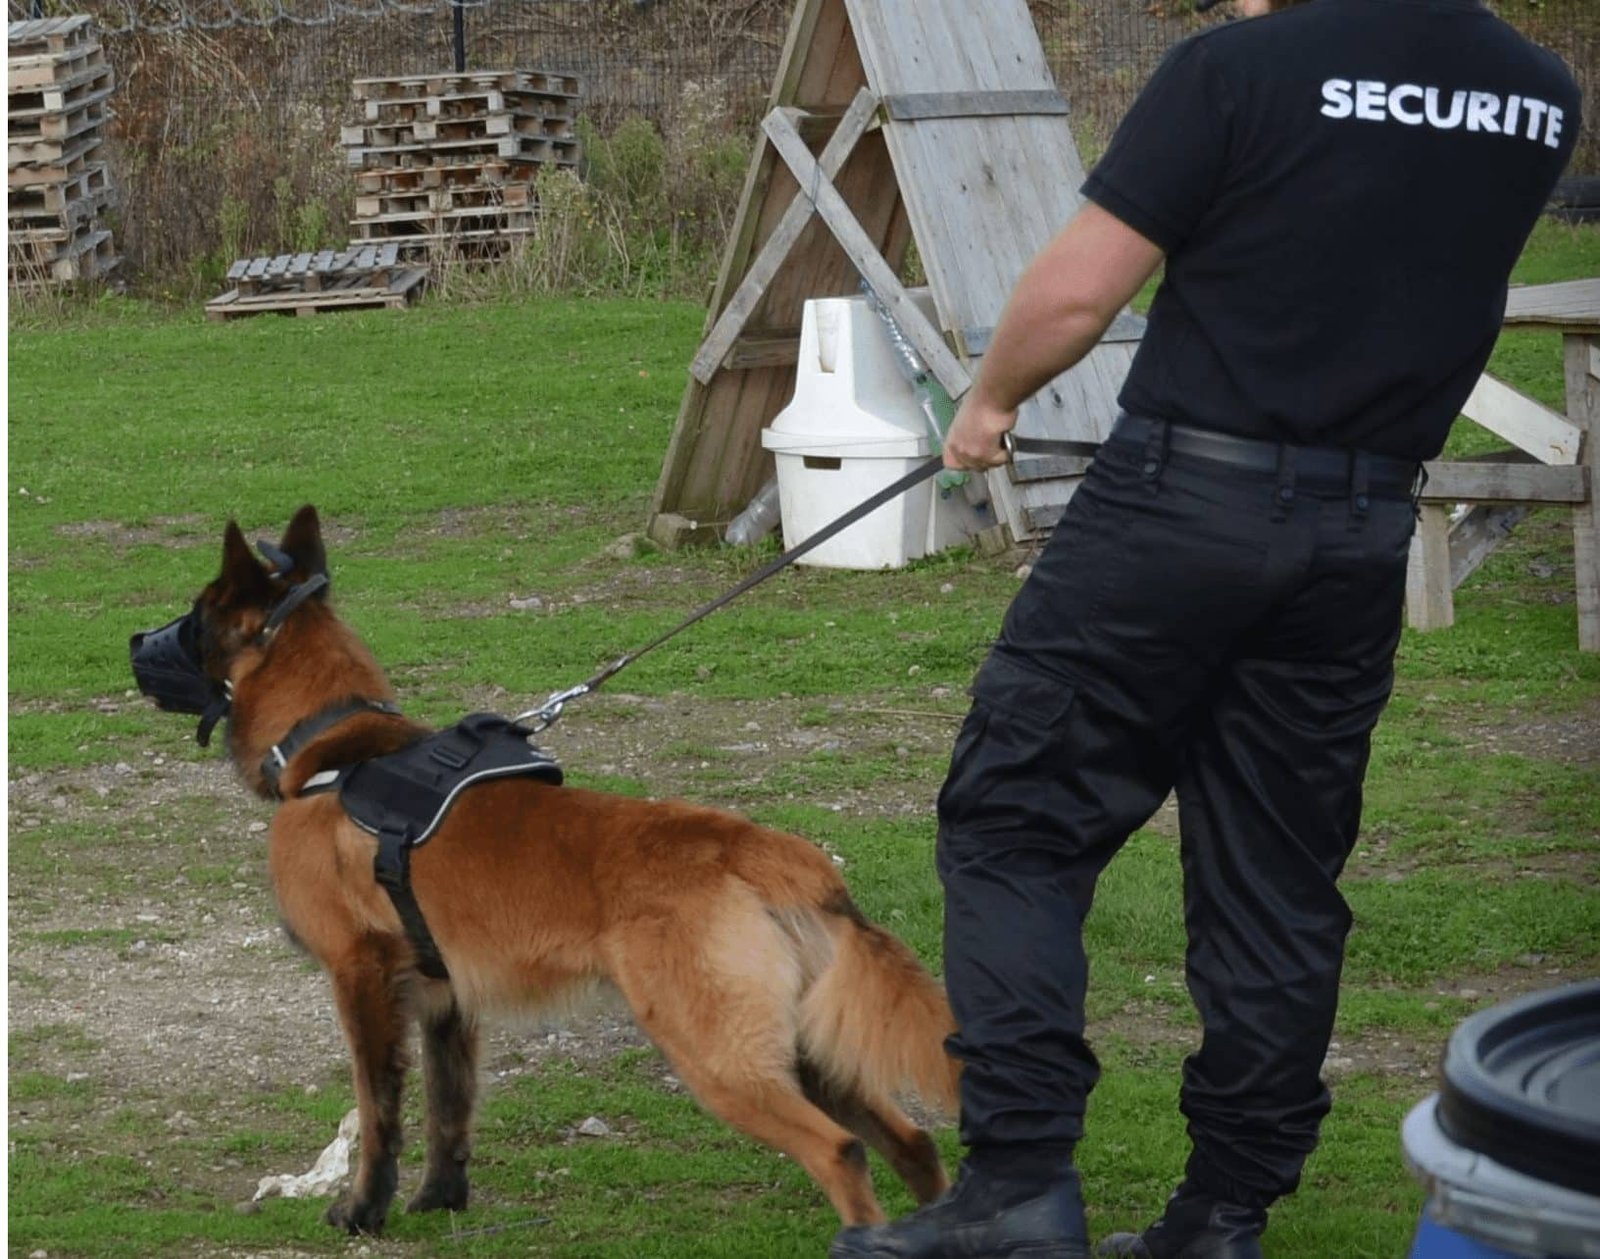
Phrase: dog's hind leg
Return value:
(450, 1071)
(367, 991)
(722, 1011)
(883, 1126)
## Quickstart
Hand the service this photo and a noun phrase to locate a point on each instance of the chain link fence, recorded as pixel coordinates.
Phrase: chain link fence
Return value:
(227, 111)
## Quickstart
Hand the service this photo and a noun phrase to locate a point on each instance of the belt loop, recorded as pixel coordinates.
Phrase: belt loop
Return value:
(1360, 479)
(1283, 491)
(1155, 452)
(1418, 484)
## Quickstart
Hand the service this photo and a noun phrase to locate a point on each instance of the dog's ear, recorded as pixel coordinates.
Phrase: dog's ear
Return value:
(302, 542)
(243, 578)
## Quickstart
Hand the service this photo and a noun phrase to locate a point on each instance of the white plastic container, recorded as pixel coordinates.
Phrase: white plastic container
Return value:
(853, 427)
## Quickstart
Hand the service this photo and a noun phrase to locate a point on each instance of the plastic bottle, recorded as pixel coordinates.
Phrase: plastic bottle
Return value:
(758, 519)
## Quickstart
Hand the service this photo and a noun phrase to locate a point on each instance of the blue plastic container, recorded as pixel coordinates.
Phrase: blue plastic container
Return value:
(1509, 1148)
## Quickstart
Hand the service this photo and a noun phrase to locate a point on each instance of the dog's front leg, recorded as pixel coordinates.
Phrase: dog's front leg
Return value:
(367, 989)
(450, 1071)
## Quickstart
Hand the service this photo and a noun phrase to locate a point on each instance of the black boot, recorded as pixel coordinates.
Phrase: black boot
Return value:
(1193, 1227)
(983, 1215)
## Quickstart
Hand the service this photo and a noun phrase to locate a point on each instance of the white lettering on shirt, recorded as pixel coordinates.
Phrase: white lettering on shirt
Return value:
(1536, 112)
(1458, 109)
(1480, 112)
(1336, 92)
(1397, 110)
(1552, 130)
(1482, 109)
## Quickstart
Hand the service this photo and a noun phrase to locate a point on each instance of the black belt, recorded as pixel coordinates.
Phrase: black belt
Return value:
(1314, 468)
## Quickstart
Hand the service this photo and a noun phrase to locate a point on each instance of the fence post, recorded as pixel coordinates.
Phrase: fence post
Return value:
(459, 22)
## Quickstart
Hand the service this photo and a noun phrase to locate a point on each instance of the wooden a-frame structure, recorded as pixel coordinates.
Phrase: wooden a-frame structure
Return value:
(891, 122)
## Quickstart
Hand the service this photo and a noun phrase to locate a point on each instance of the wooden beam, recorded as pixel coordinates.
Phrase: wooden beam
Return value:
(853, 239)
(1547, 435)
(775, 252)
(1504, 483)
(920, 106)
(1583, 405)
(1429, 605)
(1477, 534)
(1572, 305)
(777, 349)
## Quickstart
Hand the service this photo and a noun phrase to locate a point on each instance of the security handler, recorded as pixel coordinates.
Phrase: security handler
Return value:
(1339, 191)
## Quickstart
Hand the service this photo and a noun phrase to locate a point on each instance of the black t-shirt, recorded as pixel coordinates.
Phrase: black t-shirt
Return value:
(1341, 190)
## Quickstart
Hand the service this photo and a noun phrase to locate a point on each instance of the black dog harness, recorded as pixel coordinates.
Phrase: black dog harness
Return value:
(403, 798)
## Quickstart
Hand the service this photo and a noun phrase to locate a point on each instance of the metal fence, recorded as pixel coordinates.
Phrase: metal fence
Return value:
(257, 88)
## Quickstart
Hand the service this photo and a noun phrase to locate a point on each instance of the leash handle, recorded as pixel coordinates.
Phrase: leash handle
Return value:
(547, 713)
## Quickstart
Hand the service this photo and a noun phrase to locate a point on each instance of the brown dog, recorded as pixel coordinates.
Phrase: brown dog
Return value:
(738, 948)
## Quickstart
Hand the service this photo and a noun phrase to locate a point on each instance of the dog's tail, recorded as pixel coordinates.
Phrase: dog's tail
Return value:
(872, 1020)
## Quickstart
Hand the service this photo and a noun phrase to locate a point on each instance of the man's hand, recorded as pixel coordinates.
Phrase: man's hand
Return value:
(975, 438)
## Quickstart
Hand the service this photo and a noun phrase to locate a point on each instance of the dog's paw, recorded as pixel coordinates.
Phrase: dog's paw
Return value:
(445, 1193)
(356, 1217)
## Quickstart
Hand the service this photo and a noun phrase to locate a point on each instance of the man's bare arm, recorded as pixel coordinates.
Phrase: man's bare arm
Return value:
(1057, 313)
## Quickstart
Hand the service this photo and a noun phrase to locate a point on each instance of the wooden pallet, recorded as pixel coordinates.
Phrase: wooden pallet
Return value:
(36, 262)
(25, 74)
(486, 198)
(70, 216)
(31, 126)
(33, 201)
(458, 104)
(422, 86)
(353, 291)
(69, 92)
(431, 152)
(74, 160)
(370, 265)
(493, 173)
(51, 36)
(468, 127)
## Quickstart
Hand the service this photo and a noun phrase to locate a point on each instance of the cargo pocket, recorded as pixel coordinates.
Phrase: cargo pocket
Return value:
(1012, 739)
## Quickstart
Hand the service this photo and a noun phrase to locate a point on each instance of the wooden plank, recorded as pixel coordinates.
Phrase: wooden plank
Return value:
(1478, 533)
(1547, 435)
(1450, 482)
(1583, 405)
(1429, 605)
(847, 230)
(775, 251)
(1572, 305)
(781, 350)
(919, 106)
(985, 194)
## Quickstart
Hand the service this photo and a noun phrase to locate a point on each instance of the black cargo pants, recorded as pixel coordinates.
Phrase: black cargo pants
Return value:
(1229, 634)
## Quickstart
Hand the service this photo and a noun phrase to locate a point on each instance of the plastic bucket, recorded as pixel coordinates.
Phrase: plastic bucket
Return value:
(1509, 1147)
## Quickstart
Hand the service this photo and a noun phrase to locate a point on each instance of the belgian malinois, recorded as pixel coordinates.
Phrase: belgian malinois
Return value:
(737, 948)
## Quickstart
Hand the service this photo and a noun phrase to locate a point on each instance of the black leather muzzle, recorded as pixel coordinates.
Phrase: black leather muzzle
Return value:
(169, 666)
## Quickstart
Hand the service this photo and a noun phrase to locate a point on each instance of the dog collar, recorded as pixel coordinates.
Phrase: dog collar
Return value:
(281, 753)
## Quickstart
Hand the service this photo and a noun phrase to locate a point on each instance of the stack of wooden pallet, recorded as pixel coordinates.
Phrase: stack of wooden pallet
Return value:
(446, 164)
(363, 277)
(58, 83)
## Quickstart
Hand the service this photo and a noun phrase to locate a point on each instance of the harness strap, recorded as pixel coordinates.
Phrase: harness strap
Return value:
(281, 753)
(392, 868)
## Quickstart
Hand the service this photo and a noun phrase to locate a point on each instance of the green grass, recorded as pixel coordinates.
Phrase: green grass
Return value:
(466, 457)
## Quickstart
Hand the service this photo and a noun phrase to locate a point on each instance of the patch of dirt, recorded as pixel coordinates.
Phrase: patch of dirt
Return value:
(1571, 738)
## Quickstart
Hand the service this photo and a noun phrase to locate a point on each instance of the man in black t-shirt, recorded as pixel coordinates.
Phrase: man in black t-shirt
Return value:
(1339, 192)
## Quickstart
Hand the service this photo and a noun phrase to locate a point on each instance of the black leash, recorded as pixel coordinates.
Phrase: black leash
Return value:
(547, 713)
